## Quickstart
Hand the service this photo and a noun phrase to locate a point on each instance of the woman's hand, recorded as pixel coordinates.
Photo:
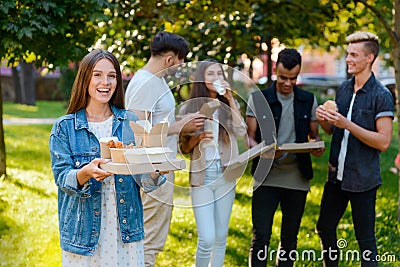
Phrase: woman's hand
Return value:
(234, 105)
(205, 135)
(187, 123)
(92, 170)
(194, 140)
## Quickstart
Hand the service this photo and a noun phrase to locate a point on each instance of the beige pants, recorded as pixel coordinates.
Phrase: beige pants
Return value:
(157, 207)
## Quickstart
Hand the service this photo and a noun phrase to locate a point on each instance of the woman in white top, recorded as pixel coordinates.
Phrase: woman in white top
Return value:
(100, 214)
(212, 187)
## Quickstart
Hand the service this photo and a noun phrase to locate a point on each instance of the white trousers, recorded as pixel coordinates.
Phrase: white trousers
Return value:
(212, 204)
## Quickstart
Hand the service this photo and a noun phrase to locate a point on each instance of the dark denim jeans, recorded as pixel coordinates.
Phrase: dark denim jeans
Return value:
(333, 205)
(265, 202)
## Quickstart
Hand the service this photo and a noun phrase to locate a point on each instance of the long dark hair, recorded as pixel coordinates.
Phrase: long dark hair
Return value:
(200, 91)
(80, 93)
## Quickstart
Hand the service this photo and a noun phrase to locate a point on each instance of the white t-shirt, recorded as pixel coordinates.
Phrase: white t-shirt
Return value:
(343, 146)
(148, 92)
(285, 172)
(212, 152)
(111, 250)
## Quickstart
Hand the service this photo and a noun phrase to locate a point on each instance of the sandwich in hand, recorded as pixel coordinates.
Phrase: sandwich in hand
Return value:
(330, 105)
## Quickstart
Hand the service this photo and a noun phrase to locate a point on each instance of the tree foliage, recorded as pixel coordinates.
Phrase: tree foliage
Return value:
(55, 32)
(223, 30)
(361, 15)
(49, 32)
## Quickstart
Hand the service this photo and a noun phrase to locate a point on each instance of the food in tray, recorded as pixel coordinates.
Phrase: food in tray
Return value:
(105, 152)
(118, 144)
(130, 159)
(117, 150)
(112, 148)
(130, 154)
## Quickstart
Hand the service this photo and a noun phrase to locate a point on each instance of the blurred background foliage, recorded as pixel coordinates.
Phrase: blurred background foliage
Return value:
(54, 32)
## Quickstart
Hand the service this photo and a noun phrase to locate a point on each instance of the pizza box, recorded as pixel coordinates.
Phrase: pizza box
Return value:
(250, 154)
(301, 147)
(132, 169)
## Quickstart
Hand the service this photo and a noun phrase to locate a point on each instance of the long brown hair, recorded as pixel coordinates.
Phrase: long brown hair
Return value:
(80, 93)
(200, 90)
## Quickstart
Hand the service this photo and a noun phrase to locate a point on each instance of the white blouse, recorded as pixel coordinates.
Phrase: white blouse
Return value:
(111, 251)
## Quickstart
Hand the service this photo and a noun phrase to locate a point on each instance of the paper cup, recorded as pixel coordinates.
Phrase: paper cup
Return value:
(219, 87)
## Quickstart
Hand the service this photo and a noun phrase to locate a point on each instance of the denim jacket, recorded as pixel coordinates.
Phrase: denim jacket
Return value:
(361, 166)
(72, 146)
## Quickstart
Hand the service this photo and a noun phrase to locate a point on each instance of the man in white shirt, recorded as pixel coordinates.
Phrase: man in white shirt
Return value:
(149, 96)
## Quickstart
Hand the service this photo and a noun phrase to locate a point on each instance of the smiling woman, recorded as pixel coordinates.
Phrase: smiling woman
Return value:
(100, 67)
(101, 88)
(95, 228)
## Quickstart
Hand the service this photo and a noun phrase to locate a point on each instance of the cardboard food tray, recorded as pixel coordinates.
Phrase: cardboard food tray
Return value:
(209, 108)
(250, 154)
(156, 137)
(301, 147)
(131, 169)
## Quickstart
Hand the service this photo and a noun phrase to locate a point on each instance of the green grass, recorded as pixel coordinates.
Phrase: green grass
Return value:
(28, 200)
(183, 236)
(29, 224)
(42, 109)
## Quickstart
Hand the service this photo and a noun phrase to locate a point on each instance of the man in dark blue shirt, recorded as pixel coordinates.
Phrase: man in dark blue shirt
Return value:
(361, 128)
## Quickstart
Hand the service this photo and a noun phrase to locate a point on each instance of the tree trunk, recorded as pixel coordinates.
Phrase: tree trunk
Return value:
(27, 78)
(17, 85)
(2, 144)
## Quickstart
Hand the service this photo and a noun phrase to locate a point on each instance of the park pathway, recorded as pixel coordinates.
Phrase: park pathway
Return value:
(28, 121)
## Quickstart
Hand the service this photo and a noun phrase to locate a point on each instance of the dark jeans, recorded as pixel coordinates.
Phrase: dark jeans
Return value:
(333, 205)
(264, 204)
